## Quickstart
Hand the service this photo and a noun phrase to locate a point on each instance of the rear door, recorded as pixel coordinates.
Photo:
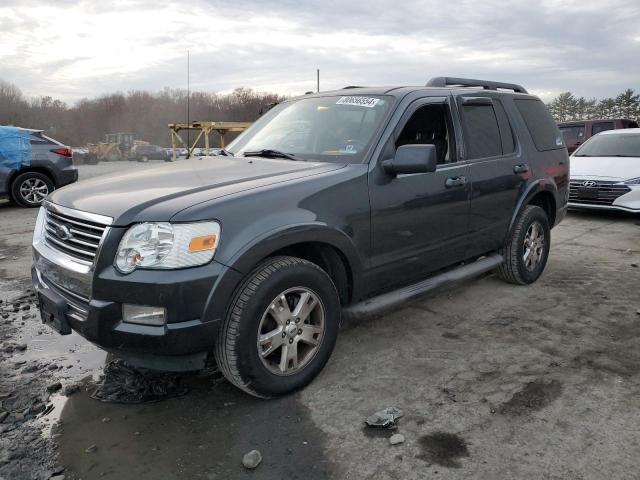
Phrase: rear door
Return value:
(498, 170)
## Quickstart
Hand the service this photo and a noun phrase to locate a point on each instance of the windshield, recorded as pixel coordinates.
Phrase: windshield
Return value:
(612, 145)
(329, 129)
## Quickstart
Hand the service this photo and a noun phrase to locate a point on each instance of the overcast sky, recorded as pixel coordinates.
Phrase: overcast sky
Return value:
(69, 49)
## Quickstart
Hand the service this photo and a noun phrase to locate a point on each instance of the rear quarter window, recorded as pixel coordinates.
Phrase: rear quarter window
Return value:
(543, 130)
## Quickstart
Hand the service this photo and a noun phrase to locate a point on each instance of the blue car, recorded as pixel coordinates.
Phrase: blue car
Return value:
(32, 165)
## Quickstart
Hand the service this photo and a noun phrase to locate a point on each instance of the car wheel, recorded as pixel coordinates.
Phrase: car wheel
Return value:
(143, 159)
(280, 328)
(526, 252)
(29, 189)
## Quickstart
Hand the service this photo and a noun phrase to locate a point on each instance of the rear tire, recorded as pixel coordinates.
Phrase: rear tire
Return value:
(527, 250)
(280, 328)
(29, 189)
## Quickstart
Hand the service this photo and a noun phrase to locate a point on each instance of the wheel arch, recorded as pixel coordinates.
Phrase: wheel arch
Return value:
(330, 249)
(42, 170)
(541, 193)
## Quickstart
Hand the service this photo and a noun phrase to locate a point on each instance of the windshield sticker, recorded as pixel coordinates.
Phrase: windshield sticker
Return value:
(368, 102)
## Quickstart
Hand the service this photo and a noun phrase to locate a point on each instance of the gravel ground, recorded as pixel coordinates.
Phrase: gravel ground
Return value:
(495, 381)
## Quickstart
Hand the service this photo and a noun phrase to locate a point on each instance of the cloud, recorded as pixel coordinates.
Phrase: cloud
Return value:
(78, 49)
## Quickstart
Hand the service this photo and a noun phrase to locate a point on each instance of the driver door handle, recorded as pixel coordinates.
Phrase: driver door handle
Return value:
(455, 181)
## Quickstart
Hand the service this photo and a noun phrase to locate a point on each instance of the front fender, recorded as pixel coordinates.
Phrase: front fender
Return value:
(267, 243)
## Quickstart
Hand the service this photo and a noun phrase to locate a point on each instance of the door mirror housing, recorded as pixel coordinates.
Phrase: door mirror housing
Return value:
(412, 159)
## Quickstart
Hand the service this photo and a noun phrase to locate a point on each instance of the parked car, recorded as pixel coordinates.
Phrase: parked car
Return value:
(605, 172)
(32, 165)
(144, 153)
(577, 132)
(333, 205)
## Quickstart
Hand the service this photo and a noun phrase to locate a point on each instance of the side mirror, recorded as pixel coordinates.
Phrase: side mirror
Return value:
(412, 159)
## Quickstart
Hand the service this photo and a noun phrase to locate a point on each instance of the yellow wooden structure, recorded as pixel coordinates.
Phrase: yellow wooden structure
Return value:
(206, 129)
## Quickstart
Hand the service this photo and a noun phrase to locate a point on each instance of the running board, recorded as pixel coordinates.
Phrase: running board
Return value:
(387, 301)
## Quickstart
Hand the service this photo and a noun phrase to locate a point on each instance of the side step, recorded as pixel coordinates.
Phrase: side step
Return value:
(388, 301)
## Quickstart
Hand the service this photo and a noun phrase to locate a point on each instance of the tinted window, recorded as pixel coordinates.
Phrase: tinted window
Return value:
(543, 130)
(481, 131)
(506, 134)
(601, 127)
(611, 145)
(572, 134)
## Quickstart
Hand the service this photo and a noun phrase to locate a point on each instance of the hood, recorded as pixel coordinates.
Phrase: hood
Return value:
(156, 193)
(605, 168)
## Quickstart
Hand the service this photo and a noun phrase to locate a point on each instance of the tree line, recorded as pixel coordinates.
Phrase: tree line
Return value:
(147, 114)
(567, 106)
(140, 112)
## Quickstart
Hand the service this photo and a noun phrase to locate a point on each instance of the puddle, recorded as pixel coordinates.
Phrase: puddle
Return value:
(201, 435)
(534, 396)
(443, 449)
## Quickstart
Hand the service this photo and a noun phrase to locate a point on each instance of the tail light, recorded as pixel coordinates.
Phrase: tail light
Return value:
(65, 151)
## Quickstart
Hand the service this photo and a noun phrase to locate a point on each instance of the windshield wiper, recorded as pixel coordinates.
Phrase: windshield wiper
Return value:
(271, 153)
(224, 153)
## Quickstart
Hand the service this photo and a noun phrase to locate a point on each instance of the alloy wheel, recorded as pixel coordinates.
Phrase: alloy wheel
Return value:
(34, 190)
(291, 331)
(534, 244)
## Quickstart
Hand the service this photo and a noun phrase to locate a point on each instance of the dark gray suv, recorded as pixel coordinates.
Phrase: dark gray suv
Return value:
(32, 165)
(332, 205)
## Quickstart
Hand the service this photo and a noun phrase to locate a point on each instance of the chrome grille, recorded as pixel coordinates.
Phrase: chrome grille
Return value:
(602, 193)
(78, 238)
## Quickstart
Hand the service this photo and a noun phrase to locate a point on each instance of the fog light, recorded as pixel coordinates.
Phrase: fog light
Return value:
(143, 314)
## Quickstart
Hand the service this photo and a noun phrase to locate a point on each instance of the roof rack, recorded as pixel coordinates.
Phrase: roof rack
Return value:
(352, 86)
(470, 82)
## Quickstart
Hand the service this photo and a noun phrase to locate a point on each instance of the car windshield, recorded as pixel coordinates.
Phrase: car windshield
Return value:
(330, 129)
(612, 145)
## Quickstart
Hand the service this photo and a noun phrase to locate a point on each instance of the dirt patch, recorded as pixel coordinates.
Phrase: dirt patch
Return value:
(445, 449)
(534, 396)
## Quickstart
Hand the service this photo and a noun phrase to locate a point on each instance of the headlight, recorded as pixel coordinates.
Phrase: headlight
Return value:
(633, 181)
(167, 246)
(38, 231)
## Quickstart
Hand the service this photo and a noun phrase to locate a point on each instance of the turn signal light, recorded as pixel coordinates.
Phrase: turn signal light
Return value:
(205, 242)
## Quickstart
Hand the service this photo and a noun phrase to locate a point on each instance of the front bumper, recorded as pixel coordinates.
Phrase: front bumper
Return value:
(625, 198)
(195, 300)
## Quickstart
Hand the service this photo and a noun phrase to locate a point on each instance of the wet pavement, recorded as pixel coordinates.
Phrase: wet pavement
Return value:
(495, 381)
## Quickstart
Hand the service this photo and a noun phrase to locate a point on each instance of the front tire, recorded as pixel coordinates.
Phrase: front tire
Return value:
(280, 328)
(527, 250)
(29, 189)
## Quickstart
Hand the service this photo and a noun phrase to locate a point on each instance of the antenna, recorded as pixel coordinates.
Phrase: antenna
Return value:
(188, 109)
(318, 80)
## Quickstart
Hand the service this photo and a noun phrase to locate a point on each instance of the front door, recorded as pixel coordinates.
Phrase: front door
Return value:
(419, 221)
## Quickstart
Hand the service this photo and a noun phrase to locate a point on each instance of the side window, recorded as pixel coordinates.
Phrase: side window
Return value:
(430, 125)
(601, 127)
(572, 134)
(481, 131)
(506, 134)
(540, 123)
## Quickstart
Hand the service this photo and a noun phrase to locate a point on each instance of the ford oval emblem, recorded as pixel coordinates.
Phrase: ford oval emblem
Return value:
(63, 232)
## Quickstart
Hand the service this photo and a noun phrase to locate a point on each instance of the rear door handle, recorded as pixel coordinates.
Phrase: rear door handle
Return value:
(524, 168)
(455, 182)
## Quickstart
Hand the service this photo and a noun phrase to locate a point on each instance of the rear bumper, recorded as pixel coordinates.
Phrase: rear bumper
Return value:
(66, 176)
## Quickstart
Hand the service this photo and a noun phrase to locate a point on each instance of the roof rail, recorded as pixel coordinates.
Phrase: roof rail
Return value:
(470, 82)
(352, 86)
